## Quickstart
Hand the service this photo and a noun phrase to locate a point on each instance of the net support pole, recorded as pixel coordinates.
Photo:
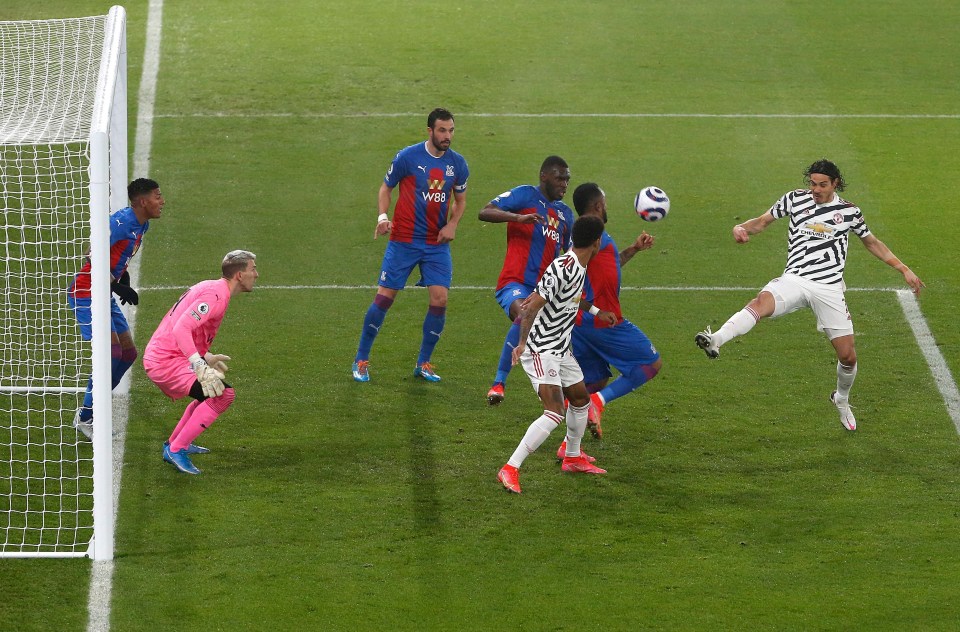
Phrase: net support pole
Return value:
(101, 546)
(108, 166)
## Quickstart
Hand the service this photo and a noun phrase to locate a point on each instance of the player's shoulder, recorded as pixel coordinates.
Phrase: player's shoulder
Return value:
(520, 194)
(410, 151)
(455, 157)
(846, 204)
(123, 215)
(215, 290)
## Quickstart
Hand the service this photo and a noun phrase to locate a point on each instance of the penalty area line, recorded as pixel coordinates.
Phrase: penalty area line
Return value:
(931, 353)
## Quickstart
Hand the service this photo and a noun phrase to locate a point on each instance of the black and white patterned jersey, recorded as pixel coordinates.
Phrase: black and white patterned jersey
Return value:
(818, 235)
(562, 286)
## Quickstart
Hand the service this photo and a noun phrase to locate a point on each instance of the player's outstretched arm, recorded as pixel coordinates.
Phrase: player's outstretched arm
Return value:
(496, 215)
(642, 242)
(742, 232)
(880, 250)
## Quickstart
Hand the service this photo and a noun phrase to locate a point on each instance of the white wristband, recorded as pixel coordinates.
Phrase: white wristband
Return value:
(594, 310)
(383, 217)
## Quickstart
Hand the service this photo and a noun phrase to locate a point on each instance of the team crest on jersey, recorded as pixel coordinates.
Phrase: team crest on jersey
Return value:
(838, 218)
(449, 171)
(516, 292)
(552, 373)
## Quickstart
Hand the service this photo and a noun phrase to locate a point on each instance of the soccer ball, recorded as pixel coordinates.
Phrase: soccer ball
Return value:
(652, 204)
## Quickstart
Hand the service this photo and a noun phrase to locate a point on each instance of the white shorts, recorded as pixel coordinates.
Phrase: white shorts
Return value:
(550, 368)
(792, 292)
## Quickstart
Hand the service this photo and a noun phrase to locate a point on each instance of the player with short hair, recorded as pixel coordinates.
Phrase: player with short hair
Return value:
(127, 228)
(606, 338)
(817, 240)
(433, 195)
(538, 232)
(178, 358)
(544, 352)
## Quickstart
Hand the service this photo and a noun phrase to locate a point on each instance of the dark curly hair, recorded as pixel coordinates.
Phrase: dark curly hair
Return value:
(829, 169)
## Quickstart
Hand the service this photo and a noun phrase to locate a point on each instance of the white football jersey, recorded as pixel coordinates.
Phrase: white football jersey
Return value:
(818, 235)
(562, 286)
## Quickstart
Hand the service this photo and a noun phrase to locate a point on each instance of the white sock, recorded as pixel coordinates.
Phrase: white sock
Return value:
(739, 324)
(576, 424)
(536, 434)
(845, 377)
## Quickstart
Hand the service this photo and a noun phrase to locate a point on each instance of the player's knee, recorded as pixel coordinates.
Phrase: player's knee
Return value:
(382, 301)
(222, 402)
(128, 355)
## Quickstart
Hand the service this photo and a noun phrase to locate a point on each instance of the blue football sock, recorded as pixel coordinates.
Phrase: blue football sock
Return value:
(637, 377)
(372, 322)
(506, 354)
(433, 324)
(86, 409)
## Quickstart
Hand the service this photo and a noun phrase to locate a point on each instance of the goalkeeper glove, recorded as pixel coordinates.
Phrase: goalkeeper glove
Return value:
(126, 293)
(211, 380)
(125, 278)
(217, 361)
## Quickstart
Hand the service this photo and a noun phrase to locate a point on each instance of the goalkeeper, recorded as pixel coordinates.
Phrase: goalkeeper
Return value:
(127, 229)
(179, 361)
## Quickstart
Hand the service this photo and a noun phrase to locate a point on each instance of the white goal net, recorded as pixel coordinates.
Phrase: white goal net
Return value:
(62, 118)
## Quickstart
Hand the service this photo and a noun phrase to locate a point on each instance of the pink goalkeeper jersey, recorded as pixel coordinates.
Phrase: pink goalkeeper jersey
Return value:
(191, 324)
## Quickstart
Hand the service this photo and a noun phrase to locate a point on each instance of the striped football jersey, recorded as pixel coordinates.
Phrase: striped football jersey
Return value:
(562, 286)
(818, 235)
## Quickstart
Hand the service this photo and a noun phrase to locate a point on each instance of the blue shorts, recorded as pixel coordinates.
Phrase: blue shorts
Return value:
(81, 307)
(436, 265)
(510, 293)
(622, 346)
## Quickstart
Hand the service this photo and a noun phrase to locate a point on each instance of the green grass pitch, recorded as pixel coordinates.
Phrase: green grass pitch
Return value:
(734, 499)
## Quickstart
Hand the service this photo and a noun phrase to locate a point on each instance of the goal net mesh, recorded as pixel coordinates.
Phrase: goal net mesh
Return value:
(48, 80)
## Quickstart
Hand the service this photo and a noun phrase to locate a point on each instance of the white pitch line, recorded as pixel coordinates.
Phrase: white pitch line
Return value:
(928, 346)
(554, 115)
(101, 572)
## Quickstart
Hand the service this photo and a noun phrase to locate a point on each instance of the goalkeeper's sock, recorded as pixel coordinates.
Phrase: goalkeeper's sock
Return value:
(202, 418)
(432, 328)
(627, 383)
(536, 434)
(183, 419)
(506, 354)
(372, 322)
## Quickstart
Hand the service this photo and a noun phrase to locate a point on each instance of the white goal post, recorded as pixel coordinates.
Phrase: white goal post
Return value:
(63, 168)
